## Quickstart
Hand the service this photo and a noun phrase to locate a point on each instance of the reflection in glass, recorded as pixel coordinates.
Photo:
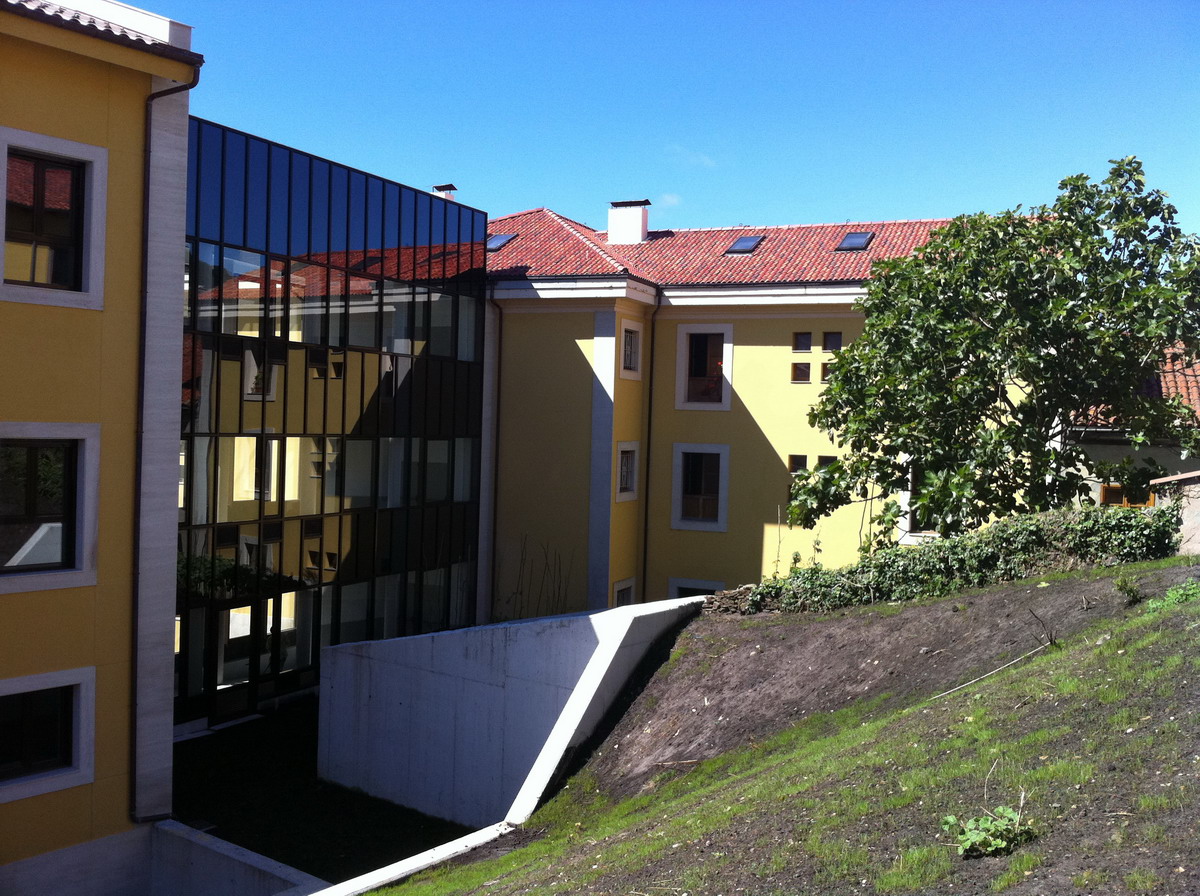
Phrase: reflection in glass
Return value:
(356, 601)
(235, 188)
(467, 310)
(397, 308)
(392, 469)
(437, 470)
(242, 287)
(441, 324)
(364, 312)
(359, 459)
(434, 600)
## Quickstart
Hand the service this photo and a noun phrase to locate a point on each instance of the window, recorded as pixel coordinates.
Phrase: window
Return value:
(826, 369)
(831, 341)
(744, 245)
(37, 504)
(631, 350)
(856, 241)
(47, 726)
(54, 213)
(681, 587)
(623, 593)
(824, 460)
(700, 475)
(498, 241)
(802, 342)
(1116, 496)
(704, 364)
(629, 354)
(797, 462)
(43, 223)
(802, 372)
(627, 471)
(48, 484)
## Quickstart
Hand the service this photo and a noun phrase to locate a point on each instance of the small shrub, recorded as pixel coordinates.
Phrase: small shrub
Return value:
(1127, 585)
(993, 834)
(1141, 881)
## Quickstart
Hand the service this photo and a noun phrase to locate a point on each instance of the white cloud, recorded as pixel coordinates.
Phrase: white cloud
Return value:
(670, 199)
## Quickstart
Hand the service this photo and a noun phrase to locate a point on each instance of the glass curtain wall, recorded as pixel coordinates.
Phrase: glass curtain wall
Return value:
(332, 399)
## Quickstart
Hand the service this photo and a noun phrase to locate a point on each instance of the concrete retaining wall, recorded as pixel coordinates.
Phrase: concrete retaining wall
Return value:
(165, 859)
(470, 725)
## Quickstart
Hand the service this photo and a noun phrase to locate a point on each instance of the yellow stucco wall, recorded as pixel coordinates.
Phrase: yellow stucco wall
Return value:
(546, 384)
(766, 421)
(629, 425)
(80, 366)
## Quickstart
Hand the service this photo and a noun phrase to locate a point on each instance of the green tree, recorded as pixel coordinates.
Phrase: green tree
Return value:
(985, 351)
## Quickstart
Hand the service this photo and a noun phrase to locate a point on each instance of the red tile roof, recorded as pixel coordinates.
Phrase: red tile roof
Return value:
(86, 23)
(1176, 379)
(549, 245)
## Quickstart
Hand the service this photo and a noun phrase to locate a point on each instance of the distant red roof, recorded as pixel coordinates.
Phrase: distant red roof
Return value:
(550, 245)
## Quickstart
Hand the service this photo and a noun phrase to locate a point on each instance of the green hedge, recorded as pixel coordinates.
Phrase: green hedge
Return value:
(1011, 548)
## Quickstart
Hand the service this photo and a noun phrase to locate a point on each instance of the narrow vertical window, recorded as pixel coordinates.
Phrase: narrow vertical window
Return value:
(701, 492)
(705, 380)
(630, 353)
(625, 474)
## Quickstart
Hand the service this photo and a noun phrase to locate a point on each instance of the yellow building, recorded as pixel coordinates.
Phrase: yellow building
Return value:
(653, 390)
(93, 128)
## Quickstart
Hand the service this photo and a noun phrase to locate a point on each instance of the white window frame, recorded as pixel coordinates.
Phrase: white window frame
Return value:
(721, 523)
(632, 494)
(674, 584)
(634, 373)
(83, 733)
(95, 201)
(681, 367)
(617, 587)
(82, 572)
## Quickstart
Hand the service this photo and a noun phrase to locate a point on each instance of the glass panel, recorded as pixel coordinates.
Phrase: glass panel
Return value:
(356, 600)
(209, 194)
(467, 310)
(195, 651)
(319, 235)
(701, 486)
(374, 222)
(356, 241)
(233, 645)
(305, 469)
(364, 312)
(256, 194)
(207, 273)
(300, 638)
(200, 500)
(242, 275)
(339, 199)
(300, 215)
(280, 179)
(389, 594)
(392, 469)
(276, 300)
(337, 308)
(397, 311)
(333, 452)
(309, 291)
(441, 324)
(235, 188)
(434, 608)
(464, 469)
(391, 228)
(359, 461)
(437, 469)
(462, 591)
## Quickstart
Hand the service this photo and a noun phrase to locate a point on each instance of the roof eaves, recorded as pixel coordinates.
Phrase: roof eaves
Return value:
(93, 26)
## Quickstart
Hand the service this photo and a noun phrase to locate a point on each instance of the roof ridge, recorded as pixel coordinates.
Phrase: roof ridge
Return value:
(792, 226)
(572, 227)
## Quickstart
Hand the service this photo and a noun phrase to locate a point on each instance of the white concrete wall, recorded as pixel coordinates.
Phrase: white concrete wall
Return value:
(470, 725)
(166, 859)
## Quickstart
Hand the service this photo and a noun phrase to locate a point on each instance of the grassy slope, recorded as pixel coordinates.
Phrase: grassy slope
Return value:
(1099, 734)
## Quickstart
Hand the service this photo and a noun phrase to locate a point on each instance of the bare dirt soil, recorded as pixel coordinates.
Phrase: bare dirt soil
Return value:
(732, 681)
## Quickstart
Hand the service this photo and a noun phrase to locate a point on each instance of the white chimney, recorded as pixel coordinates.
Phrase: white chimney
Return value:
(446, 191)
(628, 221)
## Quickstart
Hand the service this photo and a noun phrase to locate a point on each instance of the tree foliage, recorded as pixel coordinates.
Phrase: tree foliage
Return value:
(985, 351)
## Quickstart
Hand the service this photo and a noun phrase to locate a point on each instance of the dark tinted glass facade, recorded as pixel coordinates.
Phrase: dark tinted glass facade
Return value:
(332, 402)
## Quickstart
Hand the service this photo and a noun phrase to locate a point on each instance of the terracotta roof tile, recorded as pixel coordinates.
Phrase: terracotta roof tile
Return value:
(549, 245)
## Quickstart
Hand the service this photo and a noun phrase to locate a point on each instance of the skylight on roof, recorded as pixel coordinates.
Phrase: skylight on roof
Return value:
(744, 245)
(498, 241)
(858, 239)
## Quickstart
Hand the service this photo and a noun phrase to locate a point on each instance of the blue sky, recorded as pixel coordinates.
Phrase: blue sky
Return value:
(757, 113)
